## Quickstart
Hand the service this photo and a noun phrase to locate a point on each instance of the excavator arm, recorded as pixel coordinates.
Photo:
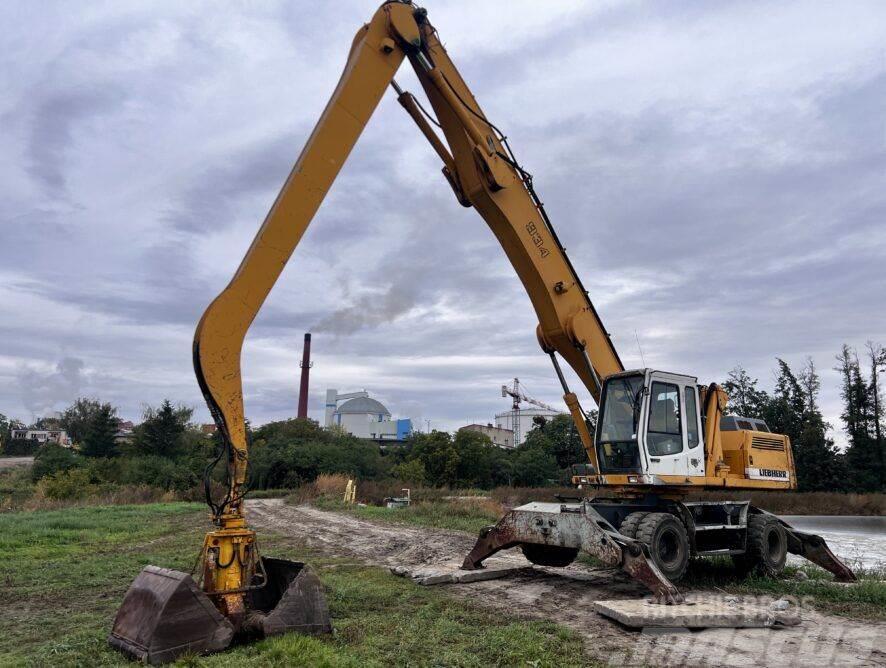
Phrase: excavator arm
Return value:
(482, 171)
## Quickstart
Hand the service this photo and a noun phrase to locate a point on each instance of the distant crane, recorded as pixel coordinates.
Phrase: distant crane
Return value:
(518, 395)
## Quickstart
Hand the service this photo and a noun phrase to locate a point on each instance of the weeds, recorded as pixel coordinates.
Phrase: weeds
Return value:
(806, 584)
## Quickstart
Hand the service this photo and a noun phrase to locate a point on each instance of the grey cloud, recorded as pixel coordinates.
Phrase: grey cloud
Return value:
(52, 126)
(744, 227)
(211, 202)
(43, 392)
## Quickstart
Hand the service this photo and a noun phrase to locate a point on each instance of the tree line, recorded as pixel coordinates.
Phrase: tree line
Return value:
(166, 450)
(792, 408)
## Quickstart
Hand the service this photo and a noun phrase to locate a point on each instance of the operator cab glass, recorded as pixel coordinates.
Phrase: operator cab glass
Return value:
(618, 425)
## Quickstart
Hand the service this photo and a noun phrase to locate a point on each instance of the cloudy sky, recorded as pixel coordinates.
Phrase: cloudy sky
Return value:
(716, 170)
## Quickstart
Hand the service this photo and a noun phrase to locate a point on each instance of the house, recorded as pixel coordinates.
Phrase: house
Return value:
(59, 436)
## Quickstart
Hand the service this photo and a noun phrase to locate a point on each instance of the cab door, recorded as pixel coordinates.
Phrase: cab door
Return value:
(692, 428)
(665, 433)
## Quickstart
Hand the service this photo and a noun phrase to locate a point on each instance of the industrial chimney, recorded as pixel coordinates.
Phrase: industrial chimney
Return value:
(305, 365)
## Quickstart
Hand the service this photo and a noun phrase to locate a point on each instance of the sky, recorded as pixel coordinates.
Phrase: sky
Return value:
(717, 172)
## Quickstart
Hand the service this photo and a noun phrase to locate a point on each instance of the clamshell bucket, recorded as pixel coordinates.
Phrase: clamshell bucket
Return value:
(291, 600)
(165, 614)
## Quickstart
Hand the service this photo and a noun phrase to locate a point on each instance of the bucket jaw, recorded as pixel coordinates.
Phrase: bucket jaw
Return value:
(165, 614)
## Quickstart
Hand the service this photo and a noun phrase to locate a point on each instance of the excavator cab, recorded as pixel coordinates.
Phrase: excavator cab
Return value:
(657, 428)
(649, 425)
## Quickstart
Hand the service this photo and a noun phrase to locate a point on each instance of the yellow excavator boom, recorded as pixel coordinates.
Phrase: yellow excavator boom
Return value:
(478, 165)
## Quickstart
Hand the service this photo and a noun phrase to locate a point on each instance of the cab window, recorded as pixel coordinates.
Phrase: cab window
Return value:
(691, 416)
(663, 434)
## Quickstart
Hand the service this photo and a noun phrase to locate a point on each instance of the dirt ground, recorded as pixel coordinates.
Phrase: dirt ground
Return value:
(567, 595)
(9, 462)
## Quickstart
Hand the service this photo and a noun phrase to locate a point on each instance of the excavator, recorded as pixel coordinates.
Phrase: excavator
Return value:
(659, 435)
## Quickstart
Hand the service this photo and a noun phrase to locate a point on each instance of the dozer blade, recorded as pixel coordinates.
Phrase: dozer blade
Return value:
(165, 615)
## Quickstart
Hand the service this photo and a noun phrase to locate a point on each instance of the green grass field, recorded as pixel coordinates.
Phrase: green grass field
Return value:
(64, 573)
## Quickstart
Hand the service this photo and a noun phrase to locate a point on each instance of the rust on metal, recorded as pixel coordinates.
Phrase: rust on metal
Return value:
(815, 549)
(567, 527)
(166, 615)
(638, 564)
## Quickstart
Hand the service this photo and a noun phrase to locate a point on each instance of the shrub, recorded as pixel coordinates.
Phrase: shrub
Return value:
(20, 447)
(66, 485)
(52, 458)
(331, 484)
(155, 471)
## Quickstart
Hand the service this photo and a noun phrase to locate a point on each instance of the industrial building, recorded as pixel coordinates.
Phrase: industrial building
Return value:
(364, 417)
(520, 421)
(503, 438)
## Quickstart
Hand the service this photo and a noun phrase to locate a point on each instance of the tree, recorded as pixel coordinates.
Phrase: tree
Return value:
(559, 438)
(76, 418)
(438, 455)
(162, 430)
(533, 467)
(877, 358)
(100, 439)
(819, 465)
(47, 423)
(785, 411)
(291, 452)
(52, 458)
(864, 454)
(4, 431)
(412, 472)
(745, 398)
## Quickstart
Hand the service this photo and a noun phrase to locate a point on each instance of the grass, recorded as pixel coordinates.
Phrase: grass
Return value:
(15, 486)
(865, 599)
(65, 573)
(458, 515)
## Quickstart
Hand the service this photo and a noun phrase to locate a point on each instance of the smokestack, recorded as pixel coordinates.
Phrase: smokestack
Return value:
(305, 365)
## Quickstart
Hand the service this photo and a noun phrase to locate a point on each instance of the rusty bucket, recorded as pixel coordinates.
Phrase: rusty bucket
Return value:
(165, 614)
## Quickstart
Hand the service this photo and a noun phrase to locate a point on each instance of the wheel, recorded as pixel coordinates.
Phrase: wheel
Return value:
(668, 543)
(630, 523)
(549, 555)
(767, 547)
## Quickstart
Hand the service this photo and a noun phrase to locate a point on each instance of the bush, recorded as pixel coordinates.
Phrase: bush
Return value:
(291, 453)
(154, 471)
(327, 486)
(20, 447)
(69, 485)
(52, 458)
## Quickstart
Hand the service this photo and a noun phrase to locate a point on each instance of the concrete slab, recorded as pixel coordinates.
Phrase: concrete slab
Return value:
(722, 613)
(437, 574)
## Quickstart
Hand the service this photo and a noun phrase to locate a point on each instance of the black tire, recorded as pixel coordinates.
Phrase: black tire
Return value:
(630, 523)
(549, 555)
(767, 547)
(668, 543)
